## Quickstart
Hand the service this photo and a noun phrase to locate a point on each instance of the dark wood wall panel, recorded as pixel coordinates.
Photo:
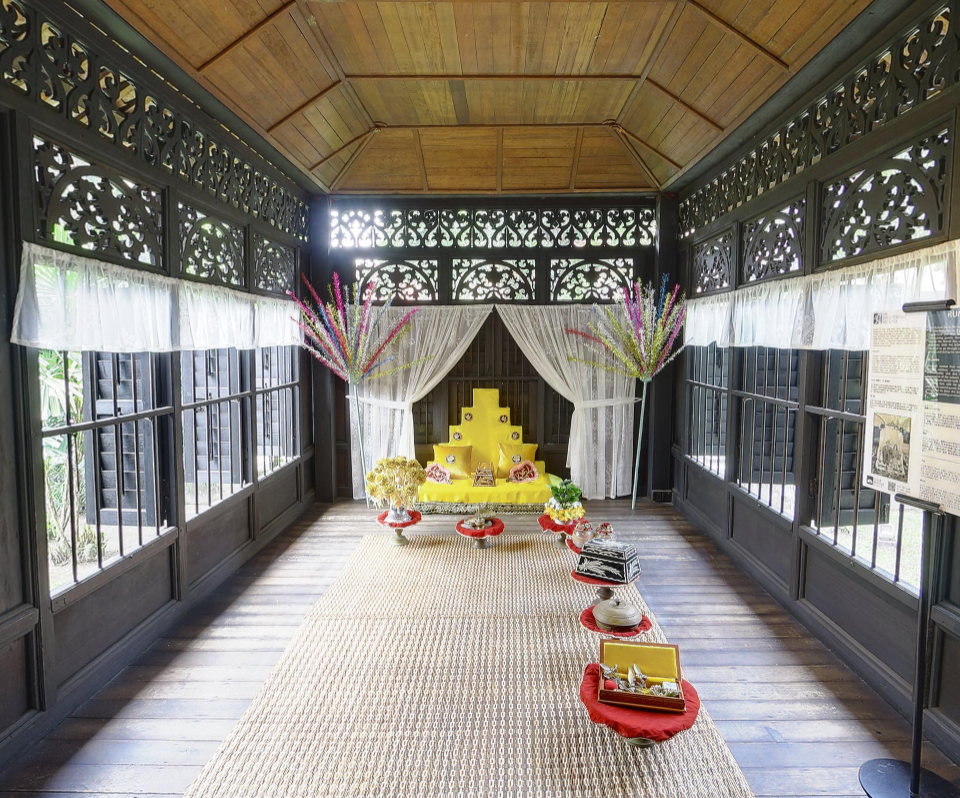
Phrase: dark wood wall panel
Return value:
(948, 701)
(15, 696)
(278, 495)
(769, 544)
(219, 536)
(707, 494)
(118, 606)
(882, 624)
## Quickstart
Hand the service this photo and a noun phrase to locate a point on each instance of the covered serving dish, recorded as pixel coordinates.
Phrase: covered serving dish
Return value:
(613, 615)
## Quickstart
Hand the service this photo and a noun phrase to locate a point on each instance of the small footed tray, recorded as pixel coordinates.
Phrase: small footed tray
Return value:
(587, 621)
(494, 528)
(415, 518)
(547, 524)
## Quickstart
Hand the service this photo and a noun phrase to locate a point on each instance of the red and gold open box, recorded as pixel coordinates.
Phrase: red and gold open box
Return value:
(659, 663)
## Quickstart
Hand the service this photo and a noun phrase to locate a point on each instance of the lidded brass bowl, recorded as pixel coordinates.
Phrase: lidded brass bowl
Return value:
(613, 615)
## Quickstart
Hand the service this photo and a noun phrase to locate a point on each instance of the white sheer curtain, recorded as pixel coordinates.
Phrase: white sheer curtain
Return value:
(73, 303)
(827, 310)
(601, 434)
(437, 339)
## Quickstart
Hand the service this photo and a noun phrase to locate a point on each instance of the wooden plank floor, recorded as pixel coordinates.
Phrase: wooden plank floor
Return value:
(150, 730)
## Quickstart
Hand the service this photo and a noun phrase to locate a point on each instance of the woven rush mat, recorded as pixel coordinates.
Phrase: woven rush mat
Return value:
(440, 670)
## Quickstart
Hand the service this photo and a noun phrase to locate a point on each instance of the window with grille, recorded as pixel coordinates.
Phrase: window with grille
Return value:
(277, 401)
(215, 413)
(767, 404)
(104, 420)
(708, 373)
(868, 526)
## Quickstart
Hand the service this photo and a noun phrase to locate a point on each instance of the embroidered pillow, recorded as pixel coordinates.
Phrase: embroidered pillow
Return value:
(512, 454)
(456, 459)
(437, 473)
(525, 472)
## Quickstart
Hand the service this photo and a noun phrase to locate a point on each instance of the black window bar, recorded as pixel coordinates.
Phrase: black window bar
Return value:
(870, 527)
(216, 397)
(277, 400)
(768, 404)
(102, 421)
(708, 371)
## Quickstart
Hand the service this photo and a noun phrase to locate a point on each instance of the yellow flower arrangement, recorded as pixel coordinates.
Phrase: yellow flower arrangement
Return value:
(394, 481)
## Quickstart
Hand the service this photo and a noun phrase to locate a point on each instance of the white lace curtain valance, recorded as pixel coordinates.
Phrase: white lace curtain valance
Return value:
(72, 303)
(829, 310)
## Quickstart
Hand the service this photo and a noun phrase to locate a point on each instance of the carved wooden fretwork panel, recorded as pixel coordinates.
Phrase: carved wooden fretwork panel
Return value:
(274, 265)
(773, 243)
(414, 280)
(712, 263)
(480, 279)
(95, 208)
(64, 75)
(210, 248)
(893, 200)
(584, 280)
(919, 64)
(475, 228)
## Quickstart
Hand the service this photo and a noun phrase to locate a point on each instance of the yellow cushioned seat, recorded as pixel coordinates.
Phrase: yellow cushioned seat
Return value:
(484, 426)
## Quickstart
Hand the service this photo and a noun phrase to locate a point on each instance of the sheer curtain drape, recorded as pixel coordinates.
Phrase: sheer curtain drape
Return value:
(437, 339)
(827, 310)
(600, 450)
(68, 302)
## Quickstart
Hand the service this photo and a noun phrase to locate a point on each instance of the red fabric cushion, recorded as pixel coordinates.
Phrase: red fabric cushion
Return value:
(589, 622)
(489, 532)
(415, 518)
(547, 524)
(627, 722)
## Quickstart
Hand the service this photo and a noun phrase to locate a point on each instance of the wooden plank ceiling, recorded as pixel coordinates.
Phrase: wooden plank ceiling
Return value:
(492, 97)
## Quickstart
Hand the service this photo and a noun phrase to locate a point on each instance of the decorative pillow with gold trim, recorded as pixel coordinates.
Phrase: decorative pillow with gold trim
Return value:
(437, 473)
(456, 459)
(512, 454)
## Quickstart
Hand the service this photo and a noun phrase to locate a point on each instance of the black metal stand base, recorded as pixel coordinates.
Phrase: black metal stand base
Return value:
(890, 778)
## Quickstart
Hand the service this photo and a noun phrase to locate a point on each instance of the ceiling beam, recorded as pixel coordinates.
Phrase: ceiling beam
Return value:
(493, 77)
(685, 105)
(500, 160)
(652, 60)
(283, 10)
(305, 107)
(617, 132)
(537, 77)
(420, 162)
(722, 23)
(365, 135)
(576, 159)
(352, 160)
(617, 127)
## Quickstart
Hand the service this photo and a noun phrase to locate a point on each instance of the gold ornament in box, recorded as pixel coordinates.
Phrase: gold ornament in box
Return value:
(646, 675)
(483, 477)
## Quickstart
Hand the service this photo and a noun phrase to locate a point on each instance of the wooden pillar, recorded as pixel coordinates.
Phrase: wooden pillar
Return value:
(320, 273)
(658, 435)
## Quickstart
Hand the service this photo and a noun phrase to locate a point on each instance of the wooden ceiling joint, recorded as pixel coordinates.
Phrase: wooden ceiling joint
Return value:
(685, 105)
(363, 136)
(617, 132)
(722, 23)
(420, 162)
(352, 159)
(576, 159)
(618, 128)
(500, 160)
(269, 19)
(305, 107)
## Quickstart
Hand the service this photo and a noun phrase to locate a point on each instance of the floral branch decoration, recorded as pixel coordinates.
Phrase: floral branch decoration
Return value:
(346, 337)
(639, 331)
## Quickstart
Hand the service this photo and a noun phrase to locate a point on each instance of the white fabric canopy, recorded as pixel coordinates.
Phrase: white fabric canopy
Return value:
(438, 338)
(600, 451)
(72, 303)
(827, 310)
